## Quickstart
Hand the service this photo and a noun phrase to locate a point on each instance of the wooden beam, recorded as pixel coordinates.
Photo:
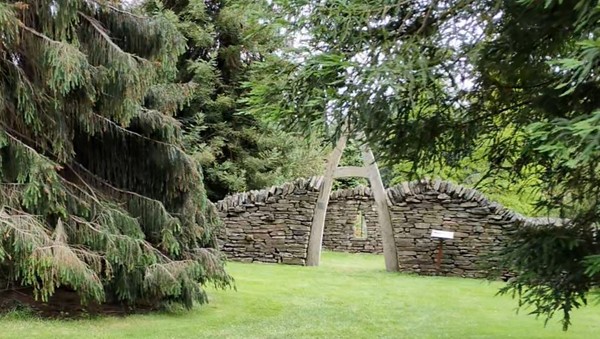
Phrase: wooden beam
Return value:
(383, 213)
(313, 255)
(351, 171)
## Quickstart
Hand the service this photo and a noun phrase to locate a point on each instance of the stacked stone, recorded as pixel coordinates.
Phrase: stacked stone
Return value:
(479, 227)
(273, 225)
(270, 225)
(342, 212)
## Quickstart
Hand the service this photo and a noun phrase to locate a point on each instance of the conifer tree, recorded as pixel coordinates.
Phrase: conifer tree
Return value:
(238, 152)
(97, 195)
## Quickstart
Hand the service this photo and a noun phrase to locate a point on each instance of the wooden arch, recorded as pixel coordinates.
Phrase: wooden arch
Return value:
(369, 170)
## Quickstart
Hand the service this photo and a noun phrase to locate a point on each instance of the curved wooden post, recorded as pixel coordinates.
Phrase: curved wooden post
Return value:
(369, 171)
(383, 213)
(313, 255)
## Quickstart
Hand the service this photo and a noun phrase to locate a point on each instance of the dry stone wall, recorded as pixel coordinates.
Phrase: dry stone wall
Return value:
(419, 208)
(271, 225)
(274, 225)
(345, 209)
(479, 227)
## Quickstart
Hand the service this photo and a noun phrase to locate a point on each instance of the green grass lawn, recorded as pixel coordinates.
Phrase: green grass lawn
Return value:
(349, 296)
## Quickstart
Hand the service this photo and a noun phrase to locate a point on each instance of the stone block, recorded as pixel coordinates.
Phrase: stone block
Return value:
(422, 225)
(404, 243)
(293, 261)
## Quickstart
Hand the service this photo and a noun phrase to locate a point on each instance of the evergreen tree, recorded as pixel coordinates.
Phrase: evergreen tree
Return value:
(351, 156)
(237, 151)
(97, 195)
(538, 72)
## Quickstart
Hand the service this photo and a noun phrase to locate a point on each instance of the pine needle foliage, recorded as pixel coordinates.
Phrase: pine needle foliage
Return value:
(238, 152)
(96, 194)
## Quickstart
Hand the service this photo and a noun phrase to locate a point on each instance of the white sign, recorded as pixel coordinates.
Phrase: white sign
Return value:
(442, 234)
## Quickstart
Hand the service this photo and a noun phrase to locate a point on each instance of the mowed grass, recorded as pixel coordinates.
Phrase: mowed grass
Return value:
(348, 296)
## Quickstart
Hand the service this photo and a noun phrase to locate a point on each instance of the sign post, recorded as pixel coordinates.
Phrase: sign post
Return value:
(438, 259)
(441, 235)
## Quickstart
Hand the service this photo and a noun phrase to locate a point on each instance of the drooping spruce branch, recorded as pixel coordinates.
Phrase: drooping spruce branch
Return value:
(96, 191)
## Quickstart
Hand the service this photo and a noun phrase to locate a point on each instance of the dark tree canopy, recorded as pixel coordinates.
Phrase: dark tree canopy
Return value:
(238, 152)
(539, 73)
(97, 195)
